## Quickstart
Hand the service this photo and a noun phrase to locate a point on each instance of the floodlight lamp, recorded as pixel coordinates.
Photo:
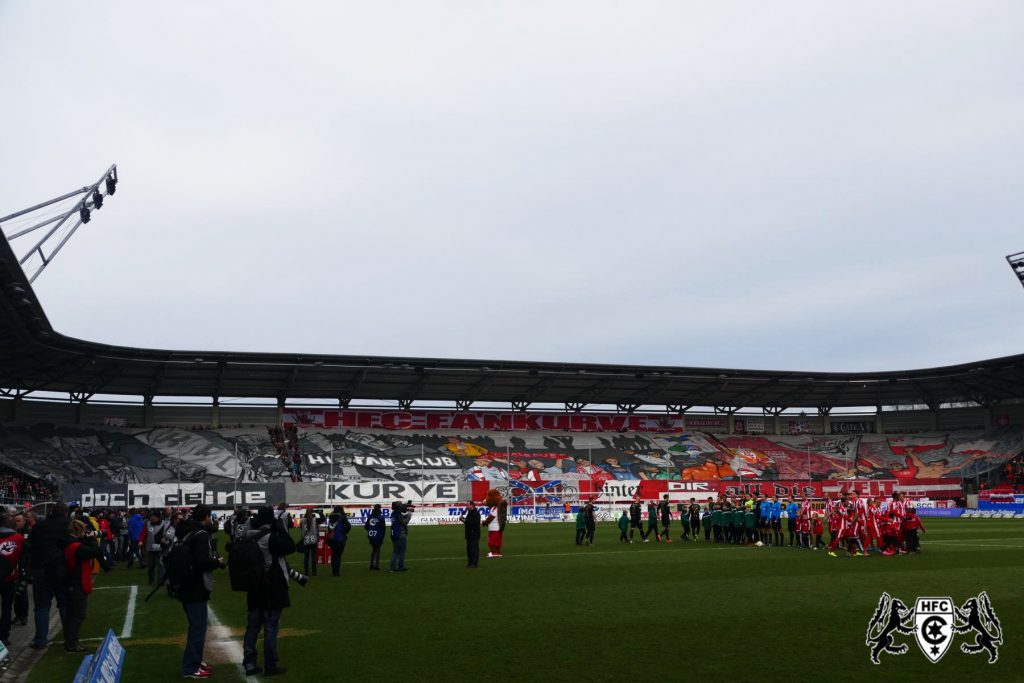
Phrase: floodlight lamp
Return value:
(97, 199)
(85, 214)
(111, 183)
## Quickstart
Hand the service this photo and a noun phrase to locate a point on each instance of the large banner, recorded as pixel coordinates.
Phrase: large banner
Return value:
(387, 492)
(480, 421)
(251, 495)
(163, 495)
(679, 491)
(118, 457)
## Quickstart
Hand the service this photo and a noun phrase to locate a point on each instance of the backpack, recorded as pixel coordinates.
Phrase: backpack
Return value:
(54, 567)
(178, 567)
(245, 564)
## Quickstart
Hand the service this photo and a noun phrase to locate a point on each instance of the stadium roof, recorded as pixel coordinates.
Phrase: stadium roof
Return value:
(34, 357)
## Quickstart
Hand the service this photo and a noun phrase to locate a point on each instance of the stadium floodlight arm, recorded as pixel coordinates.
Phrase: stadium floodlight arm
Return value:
(92, 197)
(1016, 262)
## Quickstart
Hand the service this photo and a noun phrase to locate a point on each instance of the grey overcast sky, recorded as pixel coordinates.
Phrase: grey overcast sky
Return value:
(794, 185)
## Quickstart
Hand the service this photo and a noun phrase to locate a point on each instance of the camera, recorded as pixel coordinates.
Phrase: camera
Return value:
(298, 578)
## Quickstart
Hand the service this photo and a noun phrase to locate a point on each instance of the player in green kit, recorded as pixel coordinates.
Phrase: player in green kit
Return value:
(750, 523)
(652, 523)
(737, 525)
(716, 522)
(705, 521)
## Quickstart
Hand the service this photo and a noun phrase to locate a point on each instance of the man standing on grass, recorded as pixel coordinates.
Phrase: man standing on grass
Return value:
(157, 532)
(581, 527)
(49, 572)
(136, 527)
(666, 518)
(265, 604)
(694, 519)
(400, 518)
(195, 591)
(471, 521)
(750, 523)
(635, 521)
(706, 521)
(623, 527)
(375, 531)
(24, 524)
(652, 522)
(590, 520)
(11, 544)
(776, 509)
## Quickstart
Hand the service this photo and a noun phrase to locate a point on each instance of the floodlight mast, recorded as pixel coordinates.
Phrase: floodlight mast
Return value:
(91, 200)
(1016, 262)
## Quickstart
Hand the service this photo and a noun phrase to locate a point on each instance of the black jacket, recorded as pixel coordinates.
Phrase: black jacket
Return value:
(472, 522)
(274, 595)
(47, 534)
(197, 587)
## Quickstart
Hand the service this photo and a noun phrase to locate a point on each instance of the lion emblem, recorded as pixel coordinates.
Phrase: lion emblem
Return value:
(978, 616)
(891, 616)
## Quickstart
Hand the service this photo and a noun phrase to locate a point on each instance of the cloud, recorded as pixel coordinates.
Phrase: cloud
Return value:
(798, 186)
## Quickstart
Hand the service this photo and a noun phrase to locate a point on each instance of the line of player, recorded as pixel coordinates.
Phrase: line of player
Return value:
(859, 525)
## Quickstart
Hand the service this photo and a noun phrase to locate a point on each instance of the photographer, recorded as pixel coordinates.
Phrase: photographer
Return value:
(401, 515)
(194, 591)
(238, 525)
(156, 531)
(78, 556)
(266, 602)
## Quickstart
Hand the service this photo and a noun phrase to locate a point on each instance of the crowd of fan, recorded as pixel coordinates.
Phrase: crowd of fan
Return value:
(286, 441)
(20, 488)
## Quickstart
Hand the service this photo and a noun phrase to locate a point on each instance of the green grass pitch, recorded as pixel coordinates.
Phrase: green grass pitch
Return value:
(551, 611)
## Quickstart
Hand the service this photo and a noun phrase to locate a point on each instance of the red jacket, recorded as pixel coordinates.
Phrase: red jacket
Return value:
(11, 546)
(912, 522)
(77, 556)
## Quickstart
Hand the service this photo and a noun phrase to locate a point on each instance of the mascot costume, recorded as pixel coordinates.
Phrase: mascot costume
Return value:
(495, 521)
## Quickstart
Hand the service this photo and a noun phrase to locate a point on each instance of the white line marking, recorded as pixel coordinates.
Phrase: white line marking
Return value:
(129, 617)
(230, 650)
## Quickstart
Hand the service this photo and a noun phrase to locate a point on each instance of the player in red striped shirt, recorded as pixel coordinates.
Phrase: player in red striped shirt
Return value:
(898, 507)
(874, 529)
(855, 528)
